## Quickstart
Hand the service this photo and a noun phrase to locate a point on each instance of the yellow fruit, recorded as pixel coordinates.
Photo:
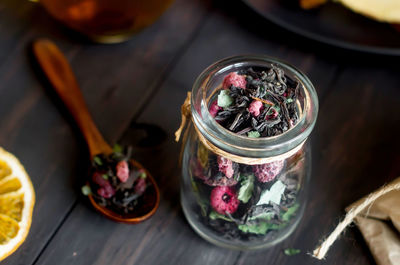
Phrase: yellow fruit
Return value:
(5, 170)
(381, 10)
(10, 184)
(12, 205)
(17, 198)
(8, 228)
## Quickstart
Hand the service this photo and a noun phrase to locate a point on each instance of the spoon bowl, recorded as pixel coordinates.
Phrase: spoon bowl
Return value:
(148, 208)
(58, 71)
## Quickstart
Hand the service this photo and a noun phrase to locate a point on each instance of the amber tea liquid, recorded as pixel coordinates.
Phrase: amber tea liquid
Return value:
(106, 20)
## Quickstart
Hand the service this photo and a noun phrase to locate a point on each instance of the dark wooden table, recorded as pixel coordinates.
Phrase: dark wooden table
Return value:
(134, 91)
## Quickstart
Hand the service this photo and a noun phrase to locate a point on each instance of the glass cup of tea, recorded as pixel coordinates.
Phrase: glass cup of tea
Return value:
(106, 21)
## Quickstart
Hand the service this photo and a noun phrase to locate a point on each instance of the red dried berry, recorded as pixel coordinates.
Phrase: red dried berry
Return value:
(106, 191)
(233, 79)
(255, 107)
(122, 170)
(97, 178)
(214, 108)
(225, 166)
(272, 115)
(224, 200)
(140, 186)
(267, 172)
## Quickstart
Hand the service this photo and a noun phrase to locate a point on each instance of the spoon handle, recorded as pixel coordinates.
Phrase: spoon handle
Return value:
(60, 75)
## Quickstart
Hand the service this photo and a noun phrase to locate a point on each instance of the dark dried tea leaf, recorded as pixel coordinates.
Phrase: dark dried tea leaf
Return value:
(242, 202)
(115, 182)
(246, 103)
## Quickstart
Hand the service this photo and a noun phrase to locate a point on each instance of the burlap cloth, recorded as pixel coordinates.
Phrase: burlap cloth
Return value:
(378, 218)
(380, 226)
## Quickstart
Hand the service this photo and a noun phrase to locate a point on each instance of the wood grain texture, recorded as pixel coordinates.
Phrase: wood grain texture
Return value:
(59, 73)
(134, 91)
(167, 233)
(34, 125)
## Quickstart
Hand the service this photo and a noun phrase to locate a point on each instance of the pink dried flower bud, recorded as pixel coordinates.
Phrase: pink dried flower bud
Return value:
(272, 115)
(233, 79)
(140, 186)
(225, 166)
(106, 191)
(267, 172)
(122, 170)
(255, 107)
(214, 108)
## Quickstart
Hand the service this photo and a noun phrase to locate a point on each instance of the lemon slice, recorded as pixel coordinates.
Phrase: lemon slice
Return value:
(5, 170)
(17, 198)
(12, 205)
(381, 10)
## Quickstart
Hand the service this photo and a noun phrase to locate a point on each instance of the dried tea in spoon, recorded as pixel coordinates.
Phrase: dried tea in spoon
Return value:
(115, 183)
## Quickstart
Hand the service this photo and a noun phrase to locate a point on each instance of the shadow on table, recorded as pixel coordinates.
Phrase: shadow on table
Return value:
(247, 18)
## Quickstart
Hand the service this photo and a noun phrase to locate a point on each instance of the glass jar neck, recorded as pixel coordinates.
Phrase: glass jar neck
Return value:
(210, 80)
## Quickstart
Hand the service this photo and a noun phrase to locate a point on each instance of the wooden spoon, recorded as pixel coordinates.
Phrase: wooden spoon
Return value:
(59, 72)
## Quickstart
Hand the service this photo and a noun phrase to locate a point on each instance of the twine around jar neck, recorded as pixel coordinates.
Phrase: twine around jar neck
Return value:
(186, 116)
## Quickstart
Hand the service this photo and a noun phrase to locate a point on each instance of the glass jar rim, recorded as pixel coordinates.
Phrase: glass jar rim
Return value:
(243, 145)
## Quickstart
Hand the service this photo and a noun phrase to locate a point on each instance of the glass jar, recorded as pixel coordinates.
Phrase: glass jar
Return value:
(262, 213)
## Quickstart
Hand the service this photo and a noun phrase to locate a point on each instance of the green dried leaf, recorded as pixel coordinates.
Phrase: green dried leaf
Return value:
(274, 194)
(214, 215)
(86, 190)
(117, 148)
(253, 134)
(97, 160)
(277, 108)
(143, 175)
(266, 216)
(260, 228)
(290, 212)
(291, 251)
(203, 206)
(104, 176)
(246, 188)
(194, 186)
(200, 201)
(224, 100)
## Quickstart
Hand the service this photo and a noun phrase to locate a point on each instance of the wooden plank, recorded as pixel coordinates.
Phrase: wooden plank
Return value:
(354, 154)
(117, 84)
(29, 120)
(167, 238)
(352, 250)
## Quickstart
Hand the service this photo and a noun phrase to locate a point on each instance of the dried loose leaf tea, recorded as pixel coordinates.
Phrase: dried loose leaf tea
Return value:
(115, 182)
